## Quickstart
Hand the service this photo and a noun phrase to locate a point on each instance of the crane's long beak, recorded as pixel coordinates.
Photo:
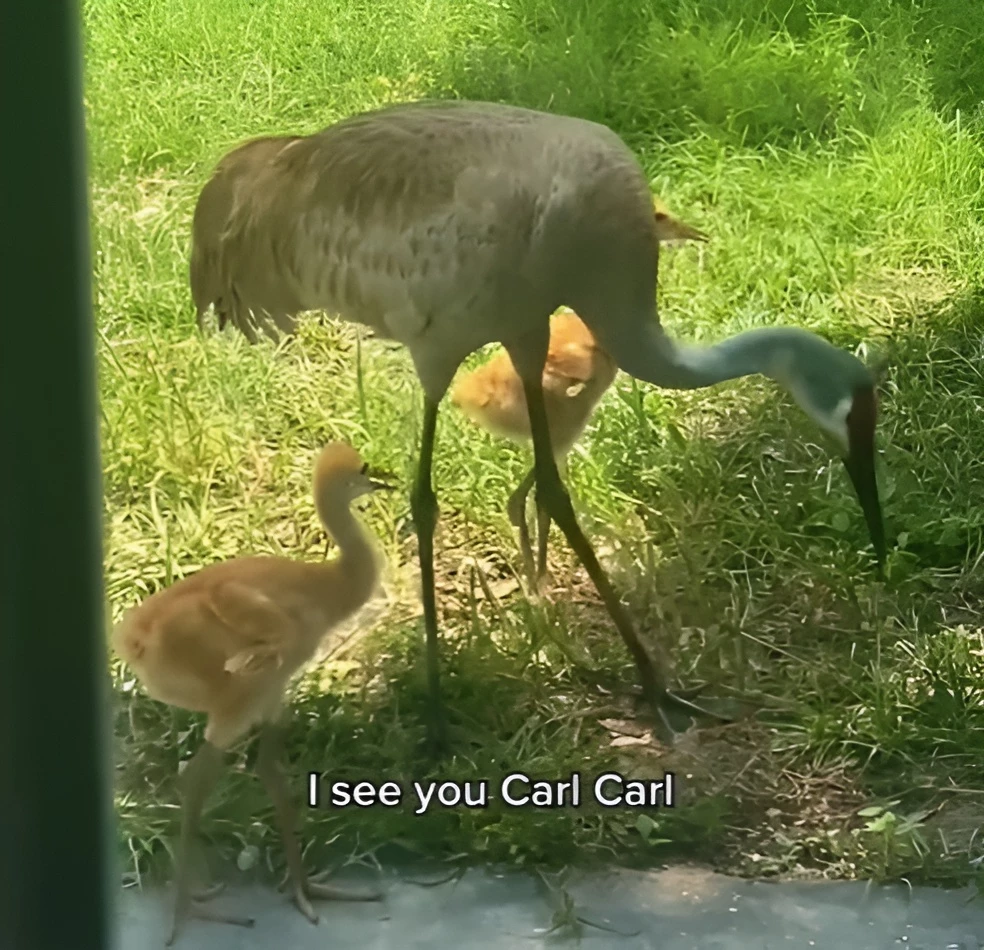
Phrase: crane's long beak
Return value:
(861, 469)
(860, 464)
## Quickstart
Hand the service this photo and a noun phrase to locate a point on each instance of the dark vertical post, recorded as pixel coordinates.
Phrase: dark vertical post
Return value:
(55, 781)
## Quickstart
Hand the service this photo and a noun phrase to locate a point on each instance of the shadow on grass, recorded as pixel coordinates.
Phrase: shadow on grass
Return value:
(763, 571)
(743, 72)
(744, 556)
(735, 537)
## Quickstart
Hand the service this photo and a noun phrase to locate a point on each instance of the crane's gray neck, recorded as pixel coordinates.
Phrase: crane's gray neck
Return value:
(650, 355)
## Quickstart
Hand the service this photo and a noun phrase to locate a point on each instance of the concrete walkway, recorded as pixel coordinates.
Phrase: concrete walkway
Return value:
(673, 909)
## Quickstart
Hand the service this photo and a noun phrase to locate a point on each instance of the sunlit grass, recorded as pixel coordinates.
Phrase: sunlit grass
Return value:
(842, 188)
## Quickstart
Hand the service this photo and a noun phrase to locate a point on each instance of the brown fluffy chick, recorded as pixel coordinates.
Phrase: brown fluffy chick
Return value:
(226, 640)
(577, 373)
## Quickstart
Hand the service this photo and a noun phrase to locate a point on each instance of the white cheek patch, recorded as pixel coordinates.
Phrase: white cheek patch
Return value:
(843, 409)
(834, 422)
(838, 420)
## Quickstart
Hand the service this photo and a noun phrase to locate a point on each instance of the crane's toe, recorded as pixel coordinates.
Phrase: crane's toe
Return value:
(198, 907)
(303, 904)
(332, 892)
(207, 893)
(680, 703)
(304, 892)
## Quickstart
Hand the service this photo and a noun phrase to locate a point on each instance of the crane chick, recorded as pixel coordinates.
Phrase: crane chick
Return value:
(226, 640)
(577, 373)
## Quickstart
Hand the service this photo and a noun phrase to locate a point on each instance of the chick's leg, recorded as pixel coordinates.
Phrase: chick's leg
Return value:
(516, 508)
(542, 536)
(197, 781)
(268, 767)
(543, 522)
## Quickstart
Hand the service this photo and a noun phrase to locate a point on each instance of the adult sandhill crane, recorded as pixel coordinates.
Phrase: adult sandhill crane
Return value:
(450, 225)
(226, 640)
(577, 373)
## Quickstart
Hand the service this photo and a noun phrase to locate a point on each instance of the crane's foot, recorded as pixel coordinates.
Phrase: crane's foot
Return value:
(197, 906)
(303, 892)
(664, 703)
(674, 710)
(609, 682)
(683, 701)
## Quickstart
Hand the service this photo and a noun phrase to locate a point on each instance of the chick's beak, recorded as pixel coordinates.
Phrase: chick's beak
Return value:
(860, 464)
(381, 481)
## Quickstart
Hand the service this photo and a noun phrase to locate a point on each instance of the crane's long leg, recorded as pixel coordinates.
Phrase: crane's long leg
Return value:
(551, 494)
(423, 507)
(198, 778)
(270, 773)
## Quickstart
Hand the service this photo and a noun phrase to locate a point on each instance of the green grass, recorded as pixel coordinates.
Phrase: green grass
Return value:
(834, 152)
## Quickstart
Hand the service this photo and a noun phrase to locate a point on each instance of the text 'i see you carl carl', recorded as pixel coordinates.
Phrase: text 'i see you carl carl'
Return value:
(517, 790)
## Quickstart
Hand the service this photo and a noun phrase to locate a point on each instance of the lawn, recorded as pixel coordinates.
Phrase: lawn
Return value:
(834, 153)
